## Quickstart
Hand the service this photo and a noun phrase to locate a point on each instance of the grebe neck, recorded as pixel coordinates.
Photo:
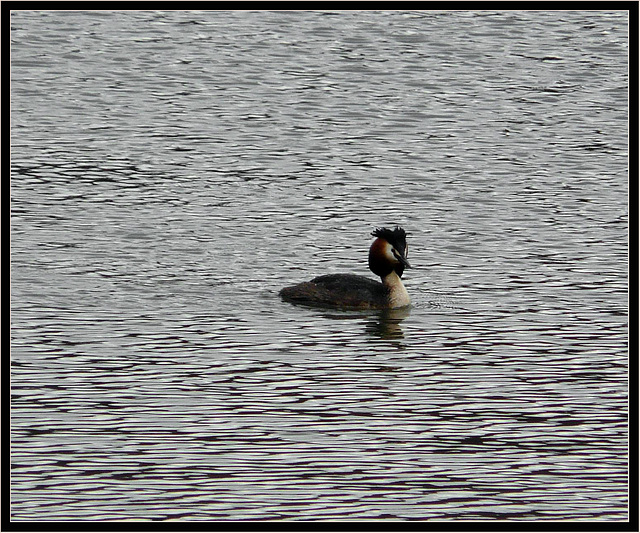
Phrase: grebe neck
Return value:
(398, 295)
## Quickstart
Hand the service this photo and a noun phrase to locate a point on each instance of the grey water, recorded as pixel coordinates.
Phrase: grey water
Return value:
(172, 170)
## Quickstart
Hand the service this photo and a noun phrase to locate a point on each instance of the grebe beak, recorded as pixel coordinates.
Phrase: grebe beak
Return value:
(403, 260)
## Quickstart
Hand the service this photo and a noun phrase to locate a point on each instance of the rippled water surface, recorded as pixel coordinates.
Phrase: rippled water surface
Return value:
(171, 171)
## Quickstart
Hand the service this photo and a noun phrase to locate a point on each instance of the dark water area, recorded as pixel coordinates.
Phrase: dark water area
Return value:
(171, 171)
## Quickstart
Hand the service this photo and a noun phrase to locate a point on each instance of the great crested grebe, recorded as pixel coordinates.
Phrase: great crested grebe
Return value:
(387, 259)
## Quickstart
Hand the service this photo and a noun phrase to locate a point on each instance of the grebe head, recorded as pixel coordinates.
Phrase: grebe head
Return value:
(389, 251)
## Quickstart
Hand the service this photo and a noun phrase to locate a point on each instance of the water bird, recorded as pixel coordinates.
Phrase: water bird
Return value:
(387, 259)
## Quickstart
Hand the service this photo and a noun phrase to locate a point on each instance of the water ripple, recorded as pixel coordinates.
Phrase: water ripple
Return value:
(171, 171)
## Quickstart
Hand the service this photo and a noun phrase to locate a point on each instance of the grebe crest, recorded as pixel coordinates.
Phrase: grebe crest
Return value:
(387, 259)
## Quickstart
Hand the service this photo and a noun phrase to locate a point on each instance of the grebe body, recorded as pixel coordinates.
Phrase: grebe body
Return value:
(387, 259)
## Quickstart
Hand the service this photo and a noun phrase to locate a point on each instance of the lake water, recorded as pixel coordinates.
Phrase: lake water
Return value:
(171, 171)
